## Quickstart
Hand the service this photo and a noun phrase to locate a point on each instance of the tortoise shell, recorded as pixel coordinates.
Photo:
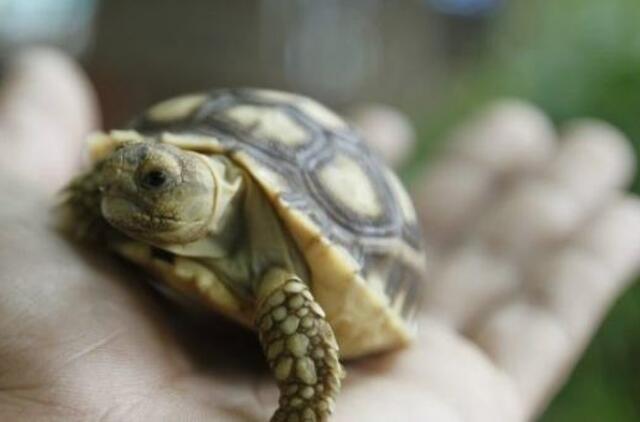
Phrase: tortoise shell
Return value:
(348, 213)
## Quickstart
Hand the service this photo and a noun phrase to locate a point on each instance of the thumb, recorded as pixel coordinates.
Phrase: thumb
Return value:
(46, 108)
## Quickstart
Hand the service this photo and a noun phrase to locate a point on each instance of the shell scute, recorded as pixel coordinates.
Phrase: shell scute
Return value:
(350, 216)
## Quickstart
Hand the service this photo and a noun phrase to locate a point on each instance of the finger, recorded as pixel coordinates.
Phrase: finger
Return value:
(508, 140)
(510, 136)
(386, 130)
(46, 108)
(534, 215)
(468, 281)
(578, 282)
(593, 161)
(521, 331)
(537, 338)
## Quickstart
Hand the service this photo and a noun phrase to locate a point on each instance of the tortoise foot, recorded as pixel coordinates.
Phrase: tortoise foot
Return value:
(301, 351)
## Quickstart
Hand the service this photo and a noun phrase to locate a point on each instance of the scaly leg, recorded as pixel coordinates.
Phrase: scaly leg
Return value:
(300, 347)
(79, 209)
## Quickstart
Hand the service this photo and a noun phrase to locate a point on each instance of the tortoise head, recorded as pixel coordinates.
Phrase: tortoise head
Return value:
(157, 193)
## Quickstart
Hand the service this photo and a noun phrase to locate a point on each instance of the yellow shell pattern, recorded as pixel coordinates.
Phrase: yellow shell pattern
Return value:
(348, 213)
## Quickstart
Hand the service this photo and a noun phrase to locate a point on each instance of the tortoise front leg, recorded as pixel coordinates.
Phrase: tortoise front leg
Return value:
(300, 347)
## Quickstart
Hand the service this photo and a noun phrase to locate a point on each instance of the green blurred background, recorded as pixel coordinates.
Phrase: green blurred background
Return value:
(575, 58)
(436, 60)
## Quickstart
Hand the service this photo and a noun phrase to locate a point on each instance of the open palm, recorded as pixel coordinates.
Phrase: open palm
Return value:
(529, 245)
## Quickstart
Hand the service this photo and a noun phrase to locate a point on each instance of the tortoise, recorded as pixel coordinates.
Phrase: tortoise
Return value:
(271, 210)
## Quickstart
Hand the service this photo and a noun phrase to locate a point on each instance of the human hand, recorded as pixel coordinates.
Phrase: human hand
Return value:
(82, 339)
(531, 238)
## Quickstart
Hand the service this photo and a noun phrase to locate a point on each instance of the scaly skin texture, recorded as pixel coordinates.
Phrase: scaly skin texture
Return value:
(301, 351)
(82, 199)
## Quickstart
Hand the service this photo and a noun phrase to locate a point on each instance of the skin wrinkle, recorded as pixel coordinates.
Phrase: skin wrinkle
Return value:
(104, 343)
(120, 411)
(25, 397)
(253, 401)
(168, 383)
(121, 401)
(247, 406)
(92, 348)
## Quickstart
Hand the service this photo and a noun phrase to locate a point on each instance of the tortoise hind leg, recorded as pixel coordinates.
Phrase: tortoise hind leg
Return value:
(300, 348)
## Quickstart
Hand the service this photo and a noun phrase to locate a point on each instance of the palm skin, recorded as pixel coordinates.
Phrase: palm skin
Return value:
(83, 339)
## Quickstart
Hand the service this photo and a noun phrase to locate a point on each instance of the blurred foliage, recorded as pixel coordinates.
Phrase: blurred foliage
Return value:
(576, 58)
(573, 58)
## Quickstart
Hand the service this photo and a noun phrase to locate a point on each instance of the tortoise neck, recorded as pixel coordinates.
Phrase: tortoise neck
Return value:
(231, 185)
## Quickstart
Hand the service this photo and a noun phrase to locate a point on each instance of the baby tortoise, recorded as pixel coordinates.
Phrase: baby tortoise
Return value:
(269, 209)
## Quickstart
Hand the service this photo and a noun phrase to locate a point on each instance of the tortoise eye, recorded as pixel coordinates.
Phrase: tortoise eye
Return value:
(154, 179)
